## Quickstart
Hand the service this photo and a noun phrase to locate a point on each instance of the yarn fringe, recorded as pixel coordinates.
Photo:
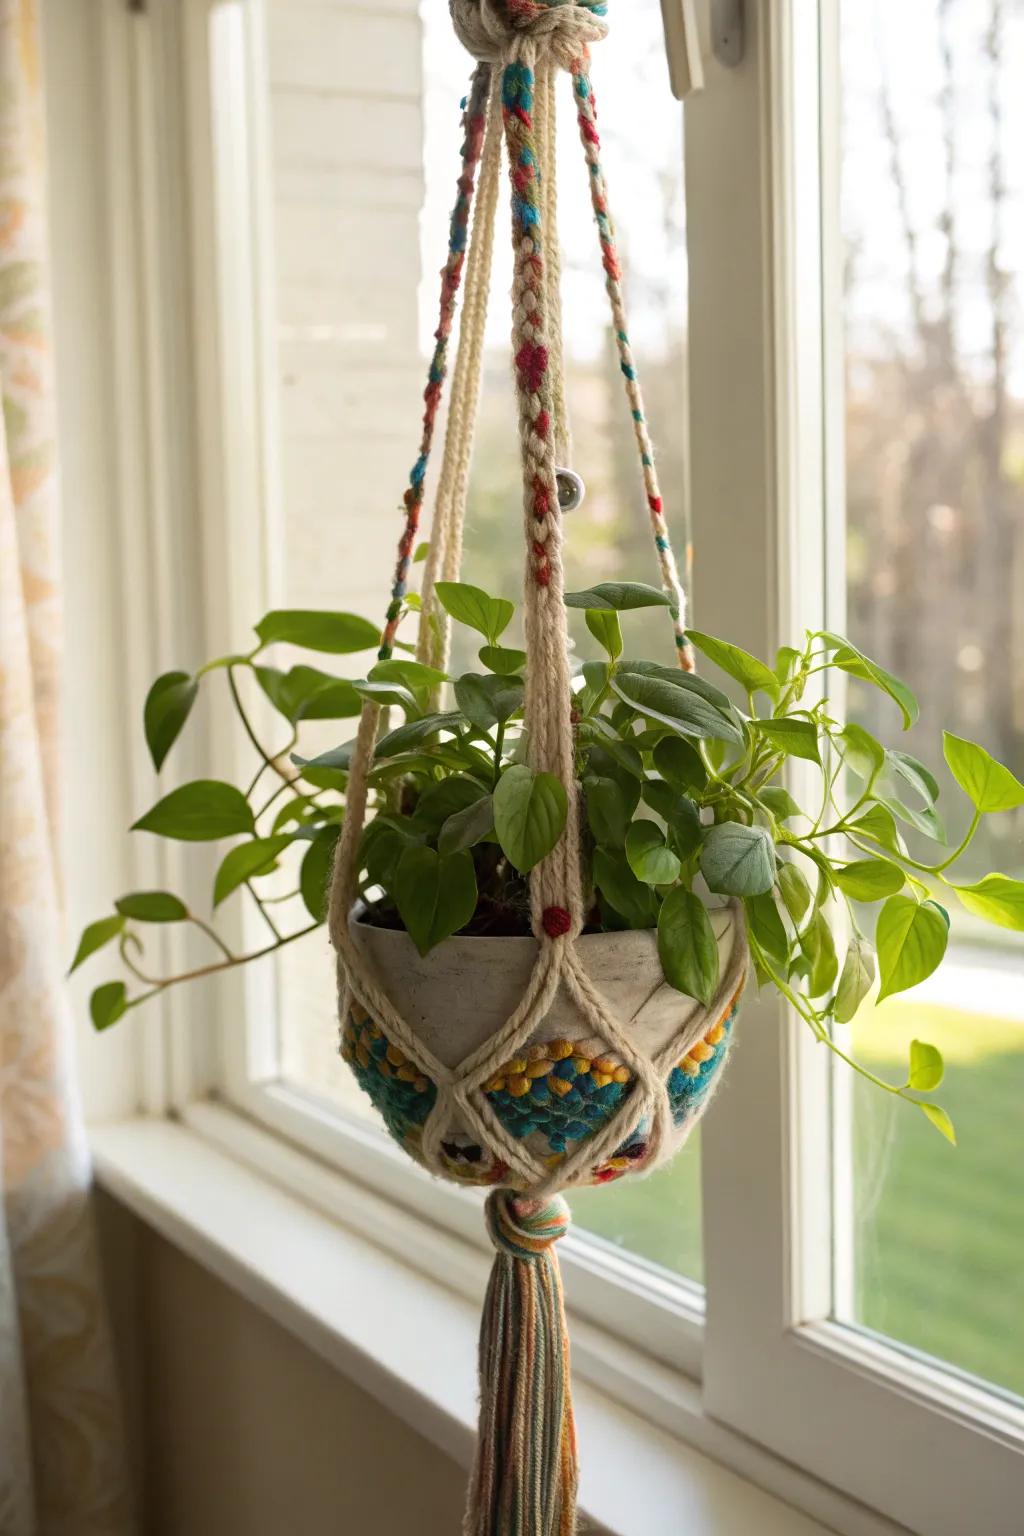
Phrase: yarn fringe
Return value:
(525, 1479)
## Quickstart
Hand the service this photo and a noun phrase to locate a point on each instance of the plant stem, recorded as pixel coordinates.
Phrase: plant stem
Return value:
(211, 934)
(161, 984)
(263, 911)
(809, 1015)
(130, 964)
(975, 819)
(499, 743)
(286, 783)
(268, 761)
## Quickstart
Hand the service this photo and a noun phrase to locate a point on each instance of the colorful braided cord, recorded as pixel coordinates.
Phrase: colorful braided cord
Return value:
(475, 124)
(586, 109)
(532, 357)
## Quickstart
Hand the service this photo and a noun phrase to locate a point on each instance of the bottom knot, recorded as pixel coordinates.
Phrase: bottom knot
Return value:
(557, 922)
(523, 1228)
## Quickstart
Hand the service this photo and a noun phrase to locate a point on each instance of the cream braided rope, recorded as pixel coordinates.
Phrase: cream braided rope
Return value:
(521, 104)
(444, 560)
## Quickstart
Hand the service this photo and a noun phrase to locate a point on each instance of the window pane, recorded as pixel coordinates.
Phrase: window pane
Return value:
(930, 1252)
(360, 214)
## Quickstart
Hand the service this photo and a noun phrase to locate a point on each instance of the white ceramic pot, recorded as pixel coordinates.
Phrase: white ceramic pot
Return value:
(564, 1085)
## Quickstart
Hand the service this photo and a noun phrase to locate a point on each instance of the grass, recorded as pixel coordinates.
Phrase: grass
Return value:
(938, 1231)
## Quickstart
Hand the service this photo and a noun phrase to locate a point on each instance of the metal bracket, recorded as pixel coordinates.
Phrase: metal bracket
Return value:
(728, 31)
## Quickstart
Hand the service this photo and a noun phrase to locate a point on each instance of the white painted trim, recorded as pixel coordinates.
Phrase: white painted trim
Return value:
(151, 412)
(934, 1452)
(646, 1308)
(309, 1263)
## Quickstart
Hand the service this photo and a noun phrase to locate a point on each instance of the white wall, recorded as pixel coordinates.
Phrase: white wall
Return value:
(237, 1429)
(248, 1432)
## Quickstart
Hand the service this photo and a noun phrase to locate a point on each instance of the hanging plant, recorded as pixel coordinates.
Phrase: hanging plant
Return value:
(547, 884)
(683, 814)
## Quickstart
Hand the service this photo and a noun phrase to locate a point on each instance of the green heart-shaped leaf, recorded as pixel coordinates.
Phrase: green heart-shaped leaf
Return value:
(489, 700)
(168, 704)
(337, 634)
(489, 616)
(911, 940)
(797, 738)
(937, 1116)
(768, 929)
(927, 1068)
(502, 659)
(199, 812)
(465, 828)
(604, 625)
(857, 979)
(152, 907)
(530, 811)
(436, 895)
(634, 902)
(95, 937)
(608, 815)
(315, 874)
(687, 704)
(737, 860)
(108, 1004)
(687, 946)
(796, 893)
(754, 675)
(618, 597)
(869, 879)
(997, 899)
(680, 765)
(247, 862)
(988, 785)
(648, 856)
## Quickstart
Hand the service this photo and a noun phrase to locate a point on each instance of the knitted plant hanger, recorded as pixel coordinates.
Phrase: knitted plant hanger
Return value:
(531, 1065)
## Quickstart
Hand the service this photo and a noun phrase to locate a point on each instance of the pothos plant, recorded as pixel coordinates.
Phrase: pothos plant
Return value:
(683, 798)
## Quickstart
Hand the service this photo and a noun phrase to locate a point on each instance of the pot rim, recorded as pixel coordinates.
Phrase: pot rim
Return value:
(357, 924)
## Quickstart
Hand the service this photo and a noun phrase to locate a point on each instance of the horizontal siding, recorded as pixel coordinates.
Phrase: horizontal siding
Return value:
(368, 133)
(332, 49)
(345, 84)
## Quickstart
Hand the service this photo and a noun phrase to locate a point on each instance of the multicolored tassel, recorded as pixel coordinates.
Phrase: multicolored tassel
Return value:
(525, 1478)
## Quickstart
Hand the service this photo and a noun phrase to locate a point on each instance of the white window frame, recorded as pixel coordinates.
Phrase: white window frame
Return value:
(185, 90)
(823, 1395)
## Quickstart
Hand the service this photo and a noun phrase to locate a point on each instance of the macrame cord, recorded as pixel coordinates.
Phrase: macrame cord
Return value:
(525, 1477)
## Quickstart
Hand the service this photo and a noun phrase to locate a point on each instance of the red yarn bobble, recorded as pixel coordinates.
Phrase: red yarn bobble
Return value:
(557, 922)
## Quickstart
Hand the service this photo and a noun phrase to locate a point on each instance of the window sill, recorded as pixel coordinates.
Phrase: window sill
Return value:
(334, 1288)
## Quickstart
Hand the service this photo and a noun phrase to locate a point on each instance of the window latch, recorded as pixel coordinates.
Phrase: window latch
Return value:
(682, 44)
(728, 31)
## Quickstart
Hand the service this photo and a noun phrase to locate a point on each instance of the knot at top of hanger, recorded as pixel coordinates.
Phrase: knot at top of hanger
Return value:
(502, 31)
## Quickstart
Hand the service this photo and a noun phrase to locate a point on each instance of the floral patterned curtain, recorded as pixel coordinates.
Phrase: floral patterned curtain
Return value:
(61, 1464)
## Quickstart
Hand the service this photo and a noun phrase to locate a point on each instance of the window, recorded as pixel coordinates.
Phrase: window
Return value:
(862, 1290)
(353, 234)
(848, 445)
(934, 366)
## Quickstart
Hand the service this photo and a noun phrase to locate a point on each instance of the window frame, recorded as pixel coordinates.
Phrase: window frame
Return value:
(824, 1395)
(225, 45)
(821, 1395)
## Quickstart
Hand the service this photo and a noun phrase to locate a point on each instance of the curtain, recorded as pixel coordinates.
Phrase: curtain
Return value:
(61, 1466)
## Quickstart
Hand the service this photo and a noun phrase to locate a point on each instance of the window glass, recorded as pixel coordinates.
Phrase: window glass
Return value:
(360, 212)
(930, 1248)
